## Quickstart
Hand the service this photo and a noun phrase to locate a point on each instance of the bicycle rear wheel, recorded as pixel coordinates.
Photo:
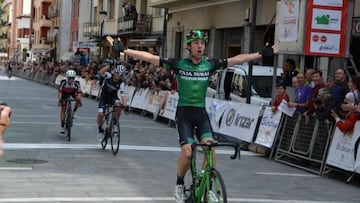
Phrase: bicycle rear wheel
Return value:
(115, 136)
(217, 190)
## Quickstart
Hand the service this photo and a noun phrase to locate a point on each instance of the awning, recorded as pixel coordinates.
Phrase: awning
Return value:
(143, 42)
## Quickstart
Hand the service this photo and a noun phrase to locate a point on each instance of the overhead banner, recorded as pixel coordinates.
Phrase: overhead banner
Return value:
(326, 28)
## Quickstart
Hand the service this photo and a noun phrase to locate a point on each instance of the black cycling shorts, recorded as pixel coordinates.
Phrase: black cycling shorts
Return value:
(192, 120)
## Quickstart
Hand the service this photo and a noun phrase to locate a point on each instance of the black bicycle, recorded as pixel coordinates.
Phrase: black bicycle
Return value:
(111, 129)
(68, 118)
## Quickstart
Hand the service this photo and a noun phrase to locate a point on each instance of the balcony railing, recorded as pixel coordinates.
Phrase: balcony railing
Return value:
(140, 24)
(91, 30)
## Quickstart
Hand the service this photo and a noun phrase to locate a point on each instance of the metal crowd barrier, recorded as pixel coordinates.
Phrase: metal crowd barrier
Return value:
(298, 144)
(304, 145)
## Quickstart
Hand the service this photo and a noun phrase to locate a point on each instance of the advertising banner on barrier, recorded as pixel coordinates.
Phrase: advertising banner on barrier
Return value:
(140, 98)
(268, 127)
(58, 79)
(95, 89)
(344, 149)
(129, 94)
(171, 104)
(240, 120)
(215, 109)
(86, 88)
(154, 101)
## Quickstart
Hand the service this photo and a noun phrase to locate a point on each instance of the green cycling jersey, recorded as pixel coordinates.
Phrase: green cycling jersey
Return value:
(193, 79)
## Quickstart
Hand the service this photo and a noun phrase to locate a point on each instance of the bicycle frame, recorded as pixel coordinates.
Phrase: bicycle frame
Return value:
(202, 181)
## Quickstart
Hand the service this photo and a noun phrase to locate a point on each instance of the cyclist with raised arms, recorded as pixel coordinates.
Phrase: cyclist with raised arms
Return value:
(193, 76)
(68, 87)
(113, 81)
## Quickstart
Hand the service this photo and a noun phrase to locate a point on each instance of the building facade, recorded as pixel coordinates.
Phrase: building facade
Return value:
(5, 30)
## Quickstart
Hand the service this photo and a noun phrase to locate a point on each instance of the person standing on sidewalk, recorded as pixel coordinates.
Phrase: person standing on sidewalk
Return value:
(193, 75)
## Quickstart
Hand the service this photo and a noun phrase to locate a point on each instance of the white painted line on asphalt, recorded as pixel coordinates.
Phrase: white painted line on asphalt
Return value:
(78, 117)
(15, 146)
(287, 174)
(15, 168)
(137, 199)
(90, 124)
(7, 78)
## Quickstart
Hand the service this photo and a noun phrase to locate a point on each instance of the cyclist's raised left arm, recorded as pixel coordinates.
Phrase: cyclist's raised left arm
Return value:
(241, 58)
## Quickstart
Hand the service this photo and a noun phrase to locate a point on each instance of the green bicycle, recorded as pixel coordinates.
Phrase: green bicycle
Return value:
(208, 185)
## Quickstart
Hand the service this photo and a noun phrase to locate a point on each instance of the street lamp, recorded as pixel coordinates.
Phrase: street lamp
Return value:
(56, 29)
(103, 15)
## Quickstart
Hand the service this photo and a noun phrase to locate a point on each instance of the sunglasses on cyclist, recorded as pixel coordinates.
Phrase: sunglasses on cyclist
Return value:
(71, 78)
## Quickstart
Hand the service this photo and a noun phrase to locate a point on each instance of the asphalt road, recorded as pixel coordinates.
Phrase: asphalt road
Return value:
(39, 165)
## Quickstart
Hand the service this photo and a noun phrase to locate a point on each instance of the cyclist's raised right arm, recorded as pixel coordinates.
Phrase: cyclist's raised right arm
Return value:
(143, 55)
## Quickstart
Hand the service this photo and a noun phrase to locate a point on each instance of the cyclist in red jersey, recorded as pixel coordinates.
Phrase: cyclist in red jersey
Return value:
(68, 87)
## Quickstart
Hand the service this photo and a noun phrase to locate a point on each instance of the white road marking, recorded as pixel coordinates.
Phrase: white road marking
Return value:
(137, 199)
(15, 168)
(7, 78)
(90, 124)
(287, 174)
(15, 146)
(78, 117)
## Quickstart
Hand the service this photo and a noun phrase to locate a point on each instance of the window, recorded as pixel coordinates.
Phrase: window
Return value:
(157, 12)
(111, 9)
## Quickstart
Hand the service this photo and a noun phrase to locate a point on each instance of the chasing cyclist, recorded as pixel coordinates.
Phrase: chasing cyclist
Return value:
(113, 81)
(193, 76)
(68, 87)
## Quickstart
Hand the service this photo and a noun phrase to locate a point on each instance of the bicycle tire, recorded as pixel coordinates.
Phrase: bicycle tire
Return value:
(104, 141)
(68, 122)
(115, 136)
(217, 187)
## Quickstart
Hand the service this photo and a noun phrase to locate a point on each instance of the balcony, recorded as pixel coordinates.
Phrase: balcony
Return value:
(44, 22)
(142, 24)
(91, 30)
(53, 11)
(172, 3)
(5, 23)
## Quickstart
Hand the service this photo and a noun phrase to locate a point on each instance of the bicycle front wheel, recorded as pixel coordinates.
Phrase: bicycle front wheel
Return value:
(216, 192)
(115, 136)
(68, 123)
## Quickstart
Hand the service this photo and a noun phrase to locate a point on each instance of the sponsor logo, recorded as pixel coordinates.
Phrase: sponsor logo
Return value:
(233, 119)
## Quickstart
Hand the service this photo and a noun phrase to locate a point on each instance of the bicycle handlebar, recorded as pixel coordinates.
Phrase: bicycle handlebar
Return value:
(236, 146)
